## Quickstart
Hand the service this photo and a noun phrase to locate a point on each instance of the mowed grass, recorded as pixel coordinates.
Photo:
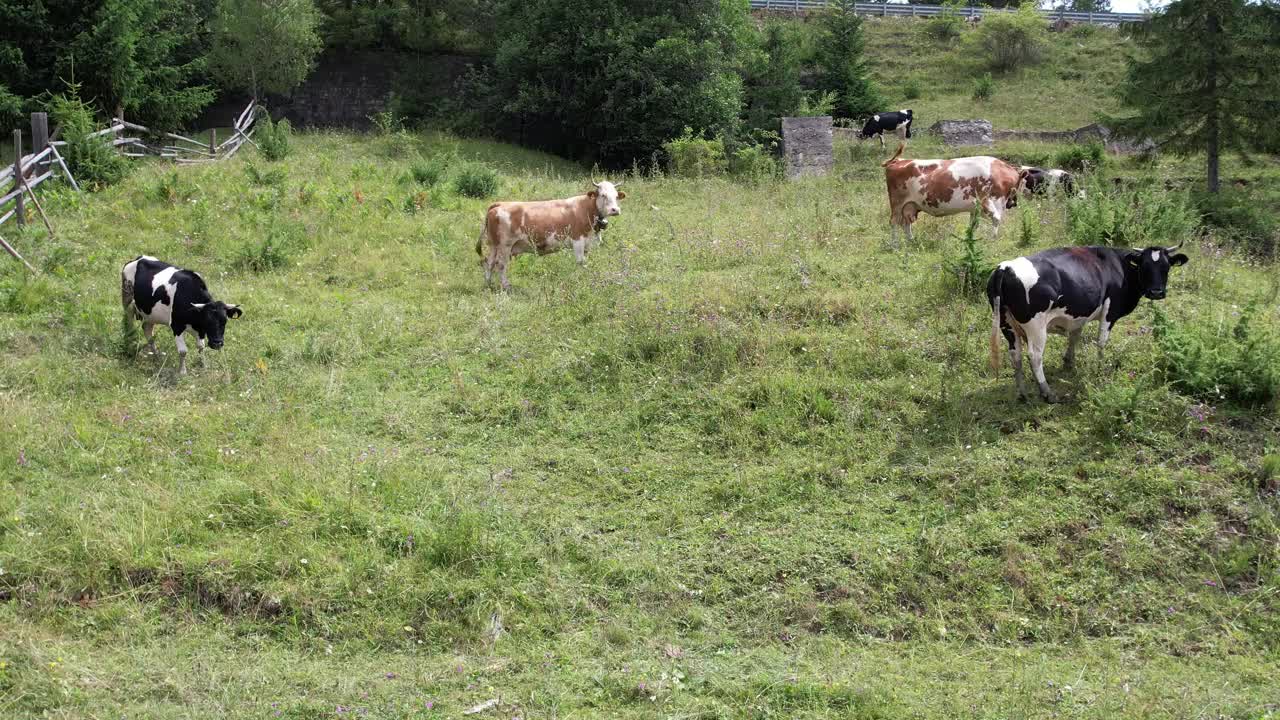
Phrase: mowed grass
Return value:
(749, 463)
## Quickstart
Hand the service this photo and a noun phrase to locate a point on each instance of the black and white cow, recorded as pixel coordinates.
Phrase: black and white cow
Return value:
(158, 293)
(898, 123)
(1038, 181)
(1061, 290)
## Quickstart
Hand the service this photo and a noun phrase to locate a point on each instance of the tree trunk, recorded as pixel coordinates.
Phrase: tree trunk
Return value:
(1212, 122)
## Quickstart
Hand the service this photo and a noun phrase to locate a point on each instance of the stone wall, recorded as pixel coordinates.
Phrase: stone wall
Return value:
(348, 86)
(807, 146)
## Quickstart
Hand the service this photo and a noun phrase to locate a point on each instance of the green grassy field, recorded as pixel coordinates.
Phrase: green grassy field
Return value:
(749, 463)
(1065, 90)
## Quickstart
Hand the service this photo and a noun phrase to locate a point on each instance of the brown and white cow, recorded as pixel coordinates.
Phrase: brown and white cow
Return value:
(948, 187)
(545, 226)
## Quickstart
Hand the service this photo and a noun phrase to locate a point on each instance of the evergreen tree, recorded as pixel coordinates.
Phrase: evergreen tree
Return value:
(839, 63)
(773, 85)
(1208, 80)
(144, 56)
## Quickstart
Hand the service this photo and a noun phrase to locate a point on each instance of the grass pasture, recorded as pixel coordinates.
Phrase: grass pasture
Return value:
(749, 463)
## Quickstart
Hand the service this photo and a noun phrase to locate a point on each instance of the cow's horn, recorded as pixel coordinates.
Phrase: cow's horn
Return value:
(1175, 247)
(617, 185)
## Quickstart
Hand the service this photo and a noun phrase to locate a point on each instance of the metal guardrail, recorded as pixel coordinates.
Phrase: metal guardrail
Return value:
(902, 10)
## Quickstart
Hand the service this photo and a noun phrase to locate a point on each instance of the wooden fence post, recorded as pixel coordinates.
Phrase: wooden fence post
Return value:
(213, 142)
(21, 208)
(40, 139)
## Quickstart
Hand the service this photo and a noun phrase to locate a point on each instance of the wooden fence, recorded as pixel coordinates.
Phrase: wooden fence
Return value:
(46, 162)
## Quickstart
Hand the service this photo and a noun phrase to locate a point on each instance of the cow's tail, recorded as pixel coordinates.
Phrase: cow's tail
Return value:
(901, 145)
(484, 229)
(995, 334)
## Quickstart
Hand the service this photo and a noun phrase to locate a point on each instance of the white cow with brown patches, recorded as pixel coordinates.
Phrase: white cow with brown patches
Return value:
(545, 226)
(948, 187)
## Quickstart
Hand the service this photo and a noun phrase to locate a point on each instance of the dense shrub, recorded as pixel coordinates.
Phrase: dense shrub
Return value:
(1239, 362)
(984, 87)
(773, 80)
(1245, 220)
(611, 80)
(1010, 40)
(1081, 157)
(93, 161)
(432, 170)
(10, 109)
(1140, 217)
(911, 89)
(476, 180)
(693, 156)
(947, 24)
(273, 137)
(755, 163)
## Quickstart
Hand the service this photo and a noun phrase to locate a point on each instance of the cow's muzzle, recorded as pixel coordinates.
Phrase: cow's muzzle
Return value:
(1156, 294)
(614, 212)
(215, 344)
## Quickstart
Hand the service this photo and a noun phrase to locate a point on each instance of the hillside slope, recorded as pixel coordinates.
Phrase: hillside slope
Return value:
(749, 463)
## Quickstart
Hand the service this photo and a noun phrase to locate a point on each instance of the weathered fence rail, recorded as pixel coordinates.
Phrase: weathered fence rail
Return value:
(28, 171)
(903, 10)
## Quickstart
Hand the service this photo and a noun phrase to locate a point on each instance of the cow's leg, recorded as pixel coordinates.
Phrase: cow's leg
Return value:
(182, 352)
(995, 211)
(1015, 359)
(501, 260)
(906, 227)
(1037, 338)
(149, 330)
(1069, 359)
(580, 250)
(881, 136)
(487, 263)
(1104, 327)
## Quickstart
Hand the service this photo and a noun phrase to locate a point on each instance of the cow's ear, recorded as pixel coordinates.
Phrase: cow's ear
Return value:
(234, 311)
(1178, 259)
(1133, 259)
(622, 195)
(592, 194)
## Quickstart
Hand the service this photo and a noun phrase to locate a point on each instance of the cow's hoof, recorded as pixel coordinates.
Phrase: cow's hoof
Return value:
(1068, 366)
(1049, 398)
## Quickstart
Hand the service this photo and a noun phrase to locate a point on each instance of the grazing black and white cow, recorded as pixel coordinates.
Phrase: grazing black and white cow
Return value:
(1038, 181)
(158, 293)
(898, 123)
(1061, 290)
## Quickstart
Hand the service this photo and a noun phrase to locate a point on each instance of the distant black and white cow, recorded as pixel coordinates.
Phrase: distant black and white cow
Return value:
(158, 293)
(1061, 290)
(1038, 181)
(898, 123)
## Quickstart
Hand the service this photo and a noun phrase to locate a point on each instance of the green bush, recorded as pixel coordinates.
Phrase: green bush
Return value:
(1141, 217)
(430, 171)
(1239, 362)
(1028, 225)
(1081, 158)
(273, 137)
(692, 156)
(948, 24)
(1245, 220)
(816, 104)
(911, 89)
(10, 109)
(172, 188)
(476, 180)
(1127, 406)
(984, 87)
(1010, 40)
(755, 163)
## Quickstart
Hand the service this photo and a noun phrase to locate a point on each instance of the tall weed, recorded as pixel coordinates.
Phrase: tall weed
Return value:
(1139, 217)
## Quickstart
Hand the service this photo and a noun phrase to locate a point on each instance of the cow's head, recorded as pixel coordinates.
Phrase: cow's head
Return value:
(212, 320)
(607, 196)
(1152, 267)
(1030, 178)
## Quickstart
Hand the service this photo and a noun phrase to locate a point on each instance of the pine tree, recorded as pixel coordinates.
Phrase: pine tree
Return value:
(1208, 80)
(773, 87)
(841, 68)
